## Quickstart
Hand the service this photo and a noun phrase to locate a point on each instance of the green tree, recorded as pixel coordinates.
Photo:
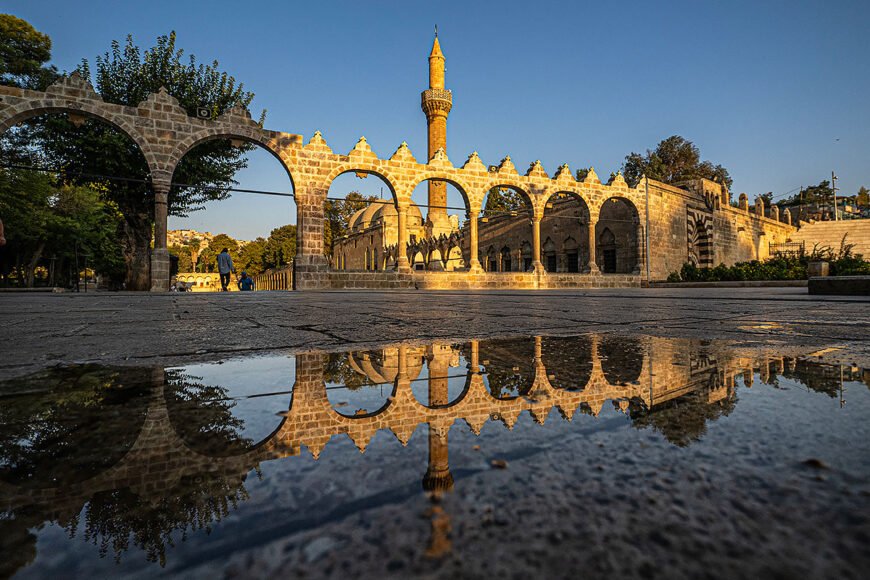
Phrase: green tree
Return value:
(126, 76)
(862, 198)
(675, 159)
(23, 54)
(280, 247)
(57, 225)
(338, 214)
(503, 200)
(252, 257)
(183, 253)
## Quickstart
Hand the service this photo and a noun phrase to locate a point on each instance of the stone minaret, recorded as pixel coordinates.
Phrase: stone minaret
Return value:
(437, 102)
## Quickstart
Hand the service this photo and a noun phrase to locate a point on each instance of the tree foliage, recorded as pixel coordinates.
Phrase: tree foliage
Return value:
(53, 226)
(23, 54)
(503, 200)
(674, 159)
(280, 247)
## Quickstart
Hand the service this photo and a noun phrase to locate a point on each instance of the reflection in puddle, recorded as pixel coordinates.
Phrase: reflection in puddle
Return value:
(146, 458)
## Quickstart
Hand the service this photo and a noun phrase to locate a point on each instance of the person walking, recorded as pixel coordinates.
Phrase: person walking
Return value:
(246, 283)
(225, 267)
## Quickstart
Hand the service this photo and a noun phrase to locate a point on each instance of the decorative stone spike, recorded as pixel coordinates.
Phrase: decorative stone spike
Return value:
(361, 438)
(404, 431)
(403, 153)
(507, 166)
(564, 174)
(591, 177)
(473, 163)
(316, 444)
(509, 418)
(540, 415)
(537, 170)
(318, 143)
(476, 423)
(596, 407)
(362, 149)
(623, 405)
(73, 84)
(440, 159)
(567, 412)
(618, 181)
(237, 114)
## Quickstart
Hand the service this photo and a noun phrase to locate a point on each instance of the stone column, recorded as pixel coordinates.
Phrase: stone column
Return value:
(474, 262)
(592, 266)
(638, 268)
(537, 266)
(160, 253)
(402, 264)
(309, 235)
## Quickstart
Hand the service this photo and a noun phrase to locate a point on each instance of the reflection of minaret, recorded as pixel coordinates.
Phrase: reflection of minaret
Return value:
(438, 478)
(437, 102)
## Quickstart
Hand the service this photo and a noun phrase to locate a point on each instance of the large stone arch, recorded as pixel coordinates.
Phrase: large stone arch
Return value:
(394, 184)
(252, 135)
(465, 190)
(29, 109)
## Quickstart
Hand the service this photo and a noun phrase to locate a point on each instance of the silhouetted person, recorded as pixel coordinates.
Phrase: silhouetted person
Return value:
(246, 283)
(225, 267)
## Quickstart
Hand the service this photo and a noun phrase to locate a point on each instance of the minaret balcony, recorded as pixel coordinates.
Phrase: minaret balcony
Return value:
(435, 101)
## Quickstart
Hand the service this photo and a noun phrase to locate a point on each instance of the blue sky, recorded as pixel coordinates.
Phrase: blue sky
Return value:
(777, 91)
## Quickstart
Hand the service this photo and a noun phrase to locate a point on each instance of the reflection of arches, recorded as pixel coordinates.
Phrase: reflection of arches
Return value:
(56, 436)
(509, 371)
(204, 416)
(621, 359)
(616, 233)
(568, 361)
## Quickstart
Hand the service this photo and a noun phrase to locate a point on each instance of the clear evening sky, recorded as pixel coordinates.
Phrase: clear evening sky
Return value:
(778, 92)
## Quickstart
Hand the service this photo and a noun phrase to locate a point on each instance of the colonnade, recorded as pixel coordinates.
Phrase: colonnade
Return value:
(165, 132)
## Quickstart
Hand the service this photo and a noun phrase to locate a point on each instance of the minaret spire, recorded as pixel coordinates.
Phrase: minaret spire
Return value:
(436, 103)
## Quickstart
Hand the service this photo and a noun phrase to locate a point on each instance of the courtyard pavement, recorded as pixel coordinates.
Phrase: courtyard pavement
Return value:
(41, 330)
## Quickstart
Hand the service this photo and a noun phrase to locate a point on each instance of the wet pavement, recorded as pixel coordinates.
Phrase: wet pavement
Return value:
(134, 329)
(598, 454)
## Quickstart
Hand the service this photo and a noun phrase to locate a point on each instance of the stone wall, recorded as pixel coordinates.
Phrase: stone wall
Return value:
(165, 133)
(737, 234)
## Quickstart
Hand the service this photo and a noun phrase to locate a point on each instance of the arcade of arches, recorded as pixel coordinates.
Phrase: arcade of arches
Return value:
(574, 233)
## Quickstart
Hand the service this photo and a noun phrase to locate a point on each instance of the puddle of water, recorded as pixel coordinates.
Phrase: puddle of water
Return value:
(108, 471)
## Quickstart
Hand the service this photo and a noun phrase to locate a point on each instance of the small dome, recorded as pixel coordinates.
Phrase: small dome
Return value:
(352, 223)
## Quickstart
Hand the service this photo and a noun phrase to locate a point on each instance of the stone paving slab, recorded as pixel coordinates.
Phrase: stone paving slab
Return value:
(40, 330)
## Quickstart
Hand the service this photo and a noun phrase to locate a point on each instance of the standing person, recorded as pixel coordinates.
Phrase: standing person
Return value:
(2, 237)
(225, 266)
(246, 283)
